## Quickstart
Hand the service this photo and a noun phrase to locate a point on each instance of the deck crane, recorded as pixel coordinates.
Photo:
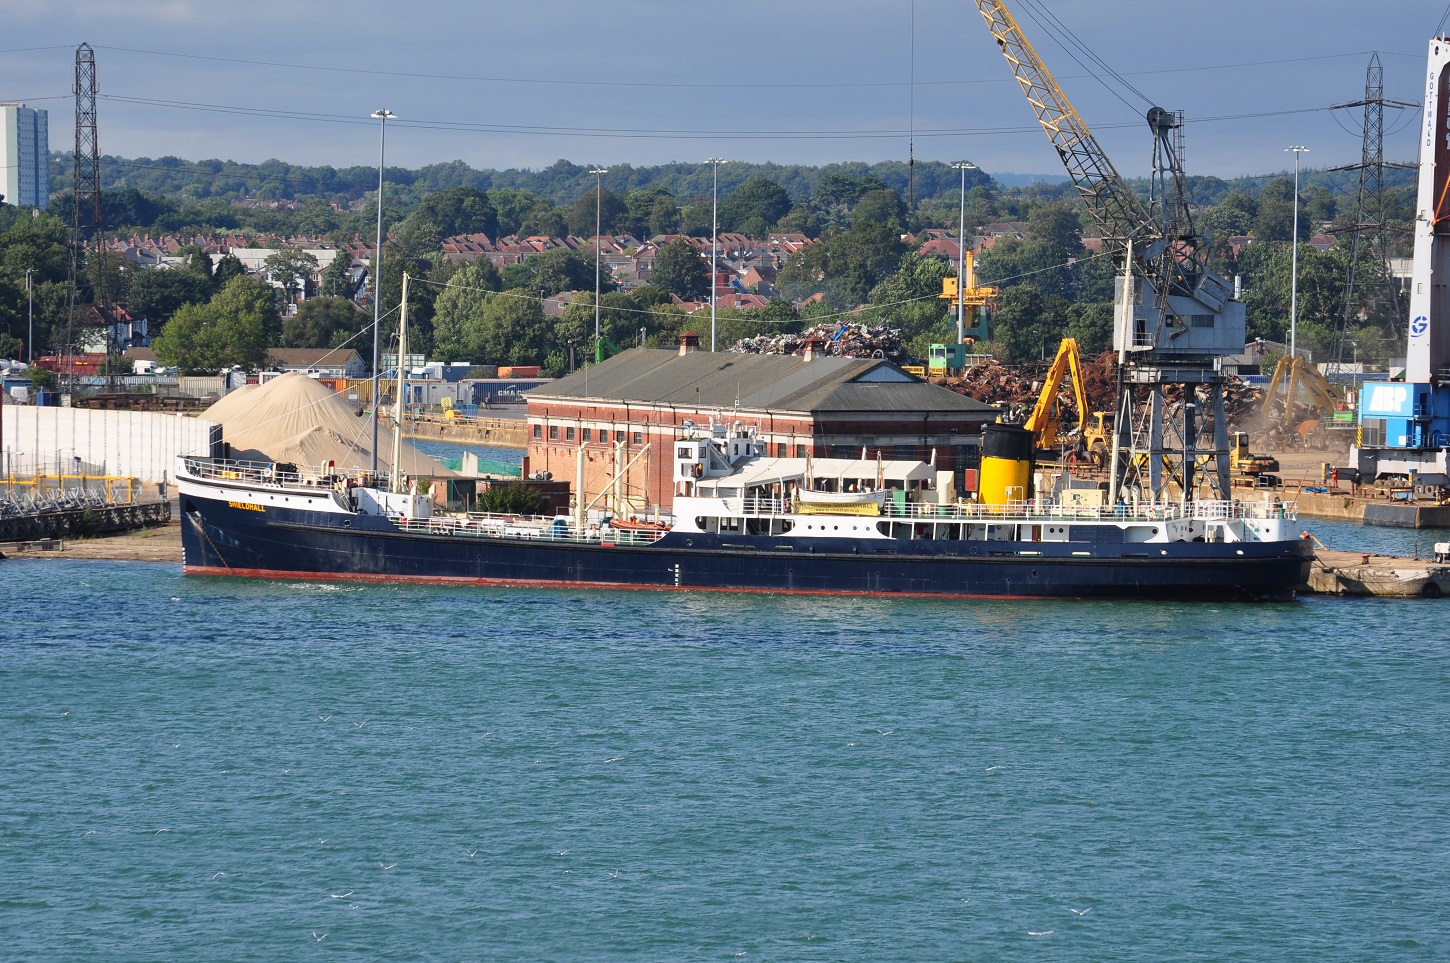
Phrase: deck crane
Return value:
(1175, 317)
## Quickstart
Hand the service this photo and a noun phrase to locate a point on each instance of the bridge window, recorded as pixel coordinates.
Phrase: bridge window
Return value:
(1201, 320)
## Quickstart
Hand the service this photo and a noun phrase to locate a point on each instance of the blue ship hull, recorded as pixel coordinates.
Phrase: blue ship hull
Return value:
(220, 539)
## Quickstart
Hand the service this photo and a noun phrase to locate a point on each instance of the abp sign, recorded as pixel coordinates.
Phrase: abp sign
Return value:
(1387, 399)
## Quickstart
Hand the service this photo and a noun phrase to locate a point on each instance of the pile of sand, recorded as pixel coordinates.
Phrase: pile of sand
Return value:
(295, 419)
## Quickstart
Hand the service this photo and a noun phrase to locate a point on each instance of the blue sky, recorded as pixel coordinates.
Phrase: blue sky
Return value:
(648, 81)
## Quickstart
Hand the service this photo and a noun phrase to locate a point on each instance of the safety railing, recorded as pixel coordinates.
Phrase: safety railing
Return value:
(540, 528)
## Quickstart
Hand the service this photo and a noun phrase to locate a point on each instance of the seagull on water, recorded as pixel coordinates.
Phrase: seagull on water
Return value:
(886, 732)
(215, 875)
(1080, 912)
(319, 939)
(342, 895)
(389, 866)
(471, 853)
(1041, 932)
(325, 718)
(360, 724)
(993, 768)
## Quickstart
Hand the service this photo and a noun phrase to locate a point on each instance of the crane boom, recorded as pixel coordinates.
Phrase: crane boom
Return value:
(1118, 212)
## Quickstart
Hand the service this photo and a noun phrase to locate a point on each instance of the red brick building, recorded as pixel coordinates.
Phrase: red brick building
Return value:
(622, 416)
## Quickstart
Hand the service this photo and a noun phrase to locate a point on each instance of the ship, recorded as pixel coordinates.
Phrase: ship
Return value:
(743, 522)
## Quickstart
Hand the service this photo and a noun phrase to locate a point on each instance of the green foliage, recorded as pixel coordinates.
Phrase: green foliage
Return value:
(757, 201)
(459, 312)
(158, 293)
(909, 299)
(1027, 325)
(228, 268)
(460, 210)
(557, 269)
(337, 279)
(680, 269)
(511, 498)
(40, 377)
(881, 206)
(230, 330)
(290, 267)
(612, 213)
(322, 323)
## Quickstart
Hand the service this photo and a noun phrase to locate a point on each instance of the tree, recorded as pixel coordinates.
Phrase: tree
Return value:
(512, 206)
(664, 216)
(1024, 325)
(1276, 212)
(460, 210)
(248, 303)
(759, 198)
(511, 498)
(681, 270)
(321, 323)
(290, 267)
(544, 220)
(204, 338)
(157, 293)
(196, 260)
(613, 214)
(458, 316)
(337, 280)
(910, 298)
(882, 206)
(228, 267)
(513, 330)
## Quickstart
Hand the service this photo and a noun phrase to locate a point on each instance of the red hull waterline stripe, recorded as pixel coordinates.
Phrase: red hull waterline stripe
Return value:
(555, 583)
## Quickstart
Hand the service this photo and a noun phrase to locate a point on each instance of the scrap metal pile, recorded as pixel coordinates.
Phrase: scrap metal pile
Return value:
(849, 340)
(1014, 388)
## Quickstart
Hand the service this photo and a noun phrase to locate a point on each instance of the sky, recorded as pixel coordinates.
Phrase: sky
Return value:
(643, 82)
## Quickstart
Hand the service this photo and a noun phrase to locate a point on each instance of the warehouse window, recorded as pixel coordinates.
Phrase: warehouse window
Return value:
(781, 449)
(538, 431)
(801, 452)
(586, 434)
(553, 432)
(639, 437)
(569, 434)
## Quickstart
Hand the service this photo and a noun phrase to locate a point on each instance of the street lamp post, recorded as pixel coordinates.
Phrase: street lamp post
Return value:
(714, 231)
(382, 115)
(30, 298)
(962, 166)
(1294, 258)
(598, 173)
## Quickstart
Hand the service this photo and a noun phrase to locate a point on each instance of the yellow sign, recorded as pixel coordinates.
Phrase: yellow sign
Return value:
(244, 505)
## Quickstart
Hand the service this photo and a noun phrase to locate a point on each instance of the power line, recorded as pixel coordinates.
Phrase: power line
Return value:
(675, 85)
(660, 133)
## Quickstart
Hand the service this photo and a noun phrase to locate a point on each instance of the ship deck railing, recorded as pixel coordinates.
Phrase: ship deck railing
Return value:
(1216, 510)
(266, 473)
(530, 527)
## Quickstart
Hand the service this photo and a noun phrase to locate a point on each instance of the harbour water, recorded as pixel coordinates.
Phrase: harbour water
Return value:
(197, 768)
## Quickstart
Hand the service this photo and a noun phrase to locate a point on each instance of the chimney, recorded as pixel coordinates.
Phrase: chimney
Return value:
(815, 346)
(689, 341)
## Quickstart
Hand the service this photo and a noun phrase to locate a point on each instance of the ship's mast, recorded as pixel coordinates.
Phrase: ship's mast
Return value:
(397, 476)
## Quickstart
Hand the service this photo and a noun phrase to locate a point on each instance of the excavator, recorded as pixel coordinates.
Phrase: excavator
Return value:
(1298, 378)
(1046, 419)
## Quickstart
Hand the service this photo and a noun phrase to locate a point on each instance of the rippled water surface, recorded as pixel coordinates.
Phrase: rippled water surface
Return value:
(202, 768)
